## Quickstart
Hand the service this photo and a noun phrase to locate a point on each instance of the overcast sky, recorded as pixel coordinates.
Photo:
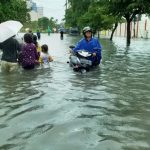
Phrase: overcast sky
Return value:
(52, 8)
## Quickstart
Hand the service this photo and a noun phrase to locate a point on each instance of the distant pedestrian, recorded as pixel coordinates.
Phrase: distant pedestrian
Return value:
(48, 31)
(61, 34)
(38, 34)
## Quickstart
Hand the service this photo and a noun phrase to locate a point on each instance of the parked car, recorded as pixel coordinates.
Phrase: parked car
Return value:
(74, 31)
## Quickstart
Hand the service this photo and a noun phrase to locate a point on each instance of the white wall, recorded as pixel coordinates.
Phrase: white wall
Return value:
(142, 29)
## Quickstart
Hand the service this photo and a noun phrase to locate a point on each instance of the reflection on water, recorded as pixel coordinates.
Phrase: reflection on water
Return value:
(58, 109)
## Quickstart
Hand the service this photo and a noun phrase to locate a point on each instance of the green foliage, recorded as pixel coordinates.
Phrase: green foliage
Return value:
(14, 10)
(44, 22)
(102, 14)
(75, 11)
(124, 8)
(88, 13)
(70, 18)
(53, 23)
(97, 17)
(33, 25)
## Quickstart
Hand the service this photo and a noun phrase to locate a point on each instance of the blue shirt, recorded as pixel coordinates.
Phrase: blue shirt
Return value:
(92, 46)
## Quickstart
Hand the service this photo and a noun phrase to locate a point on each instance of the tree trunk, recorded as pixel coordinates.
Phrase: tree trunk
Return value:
(113, 31)
(128, 33)
(129, 18)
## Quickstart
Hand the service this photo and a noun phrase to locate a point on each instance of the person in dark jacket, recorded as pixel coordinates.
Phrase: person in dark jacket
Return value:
(90, 44)
(61, 34)
(38, 34)
(10, 49)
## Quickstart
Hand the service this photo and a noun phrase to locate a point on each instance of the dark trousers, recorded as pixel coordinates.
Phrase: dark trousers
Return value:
(28, 67)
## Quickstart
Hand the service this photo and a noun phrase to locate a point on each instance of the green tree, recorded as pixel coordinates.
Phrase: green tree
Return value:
(53, 23)
(43, 23)
(75, 10)
(14, 10)
(33, 25)
(89, 12)
(97, 17)
(100, 14)
(128, 9)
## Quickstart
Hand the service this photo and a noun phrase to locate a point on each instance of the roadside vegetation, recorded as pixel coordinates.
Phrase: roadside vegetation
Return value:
(105, 14)
(17, 10)
(99, 14)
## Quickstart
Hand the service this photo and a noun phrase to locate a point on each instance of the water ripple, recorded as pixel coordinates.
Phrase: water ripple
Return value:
(58, 109)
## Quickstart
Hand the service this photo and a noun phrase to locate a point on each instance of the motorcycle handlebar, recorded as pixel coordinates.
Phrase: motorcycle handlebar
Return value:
(71, 46)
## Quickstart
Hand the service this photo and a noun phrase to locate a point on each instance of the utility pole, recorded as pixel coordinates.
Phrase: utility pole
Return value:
(66, 4)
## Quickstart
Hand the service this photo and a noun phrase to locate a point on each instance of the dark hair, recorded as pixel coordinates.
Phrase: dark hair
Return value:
(35, 40)
(30, 31)
(28, 38)
(44, 48)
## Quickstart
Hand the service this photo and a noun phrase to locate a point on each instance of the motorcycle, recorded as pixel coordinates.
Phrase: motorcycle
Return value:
(79, 60)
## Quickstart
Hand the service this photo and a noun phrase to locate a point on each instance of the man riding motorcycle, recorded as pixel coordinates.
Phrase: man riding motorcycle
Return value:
(91, 45)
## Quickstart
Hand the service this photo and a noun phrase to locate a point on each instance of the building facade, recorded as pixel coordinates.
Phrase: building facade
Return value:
(36, 12)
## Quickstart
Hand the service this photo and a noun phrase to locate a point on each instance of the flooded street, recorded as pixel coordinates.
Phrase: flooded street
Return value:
(58, 109)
